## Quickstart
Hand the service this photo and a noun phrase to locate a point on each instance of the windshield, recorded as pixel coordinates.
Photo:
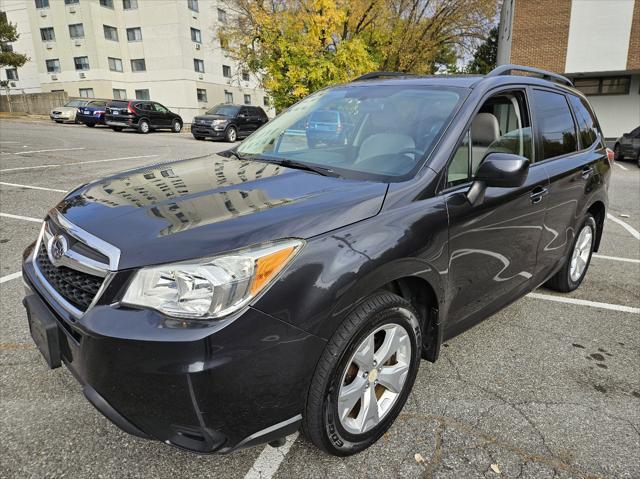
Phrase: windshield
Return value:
(76, 103)
(372, 132)
(223, 110)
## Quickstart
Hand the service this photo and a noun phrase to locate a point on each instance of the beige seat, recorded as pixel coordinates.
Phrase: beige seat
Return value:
(384, 144)
(485, 129)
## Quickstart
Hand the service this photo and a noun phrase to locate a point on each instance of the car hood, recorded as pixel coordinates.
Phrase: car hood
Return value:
(212, 117)
(66, 108)
(204, 206)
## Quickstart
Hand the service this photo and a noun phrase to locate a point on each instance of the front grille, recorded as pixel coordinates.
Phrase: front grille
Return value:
(76, 287)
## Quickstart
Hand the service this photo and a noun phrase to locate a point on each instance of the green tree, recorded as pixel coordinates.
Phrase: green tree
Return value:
(9, 34)
(486, 55)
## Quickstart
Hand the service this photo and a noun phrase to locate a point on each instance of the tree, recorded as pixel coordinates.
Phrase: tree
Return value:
(486, 55)
(299, 46)
(9, 34)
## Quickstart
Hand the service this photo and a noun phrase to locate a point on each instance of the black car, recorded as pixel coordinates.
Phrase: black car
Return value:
(141, 115)
(627, 147)
(219, 302)
(228, 122)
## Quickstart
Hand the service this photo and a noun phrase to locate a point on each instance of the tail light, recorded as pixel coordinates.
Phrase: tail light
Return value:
(130, 109)
(339, 128)
(306, 125)
(610, 156)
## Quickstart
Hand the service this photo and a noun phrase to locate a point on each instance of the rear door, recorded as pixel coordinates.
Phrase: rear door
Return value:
(571, 161)
(493, 244)
(243, 121)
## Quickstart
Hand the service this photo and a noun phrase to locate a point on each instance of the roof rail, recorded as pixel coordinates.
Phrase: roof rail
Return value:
(374, 75)
(545, 74)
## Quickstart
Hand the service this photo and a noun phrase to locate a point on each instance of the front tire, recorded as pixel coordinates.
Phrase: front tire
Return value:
(364, 376)
(576, 265)
(198, 137)
(143, 127)
(176, 126)
(231, 134)
(116, 128)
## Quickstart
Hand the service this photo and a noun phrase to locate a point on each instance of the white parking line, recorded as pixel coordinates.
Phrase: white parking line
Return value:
(77, 163)
(634, 232)
(18, 217)
(623, 167)
(9, 141)
(45, 151)
(613, 258)
(269, 460)
(9, 277)
(584, 302)
(30, 187)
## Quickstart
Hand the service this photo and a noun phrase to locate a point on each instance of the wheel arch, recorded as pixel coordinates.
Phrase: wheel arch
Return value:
(598, 210)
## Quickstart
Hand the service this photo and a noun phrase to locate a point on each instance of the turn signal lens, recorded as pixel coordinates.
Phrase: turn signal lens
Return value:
(610, 155)
(268, 266)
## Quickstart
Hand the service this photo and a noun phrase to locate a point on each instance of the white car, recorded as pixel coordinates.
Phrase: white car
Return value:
(68, 111)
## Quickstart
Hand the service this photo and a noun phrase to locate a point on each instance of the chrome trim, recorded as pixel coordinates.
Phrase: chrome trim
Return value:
(73, 260)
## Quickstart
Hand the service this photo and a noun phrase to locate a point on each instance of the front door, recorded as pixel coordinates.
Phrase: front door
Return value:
(493, 244)
(162, 118)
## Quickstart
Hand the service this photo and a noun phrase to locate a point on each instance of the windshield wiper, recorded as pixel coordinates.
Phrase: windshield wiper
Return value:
(298, 165)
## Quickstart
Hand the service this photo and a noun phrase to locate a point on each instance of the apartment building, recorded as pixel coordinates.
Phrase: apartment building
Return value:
(596, 43)
(164, 50)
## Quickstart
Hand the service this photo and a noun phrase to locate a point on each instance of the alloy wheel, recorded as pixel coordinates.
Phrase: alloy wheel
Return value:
(581, 253)
(374, 378)
(231, 135)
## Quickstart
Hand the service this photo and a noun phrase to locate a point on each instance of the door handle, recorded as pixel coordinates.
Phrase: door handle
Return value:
(586, 172)
(538, 193)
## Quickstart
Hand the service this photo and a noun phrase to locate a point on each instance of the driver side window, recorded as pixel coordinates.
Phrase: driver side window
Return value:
(501, 125)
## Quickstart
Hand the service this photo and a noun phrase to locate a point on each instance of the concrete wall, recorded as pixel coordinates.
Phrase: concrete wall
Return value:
(34, 103)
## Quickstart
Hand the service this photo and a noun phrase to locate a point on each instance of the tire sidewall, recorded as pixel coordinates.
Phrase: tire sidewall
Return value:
(591, 223)
(228, 134)
(173, 126)
(140, 127)
(337, 439)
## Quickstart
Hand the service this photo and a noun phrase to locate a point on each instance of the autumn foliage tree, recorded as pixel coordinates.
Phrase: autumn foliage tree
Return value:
(299, 46)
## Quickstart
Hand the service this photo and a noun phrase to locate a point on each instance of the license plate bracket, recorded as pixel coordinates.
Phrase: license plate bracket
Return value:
(44, 331)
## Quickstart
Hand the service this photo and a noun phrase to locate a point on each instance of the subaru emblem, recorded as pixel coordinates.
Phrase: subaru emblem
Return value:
(58, 247)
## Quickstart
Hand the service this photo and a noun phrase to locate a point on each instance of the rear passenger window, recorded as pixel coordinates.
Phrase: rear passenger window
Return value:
(555, 124)
(586, 123)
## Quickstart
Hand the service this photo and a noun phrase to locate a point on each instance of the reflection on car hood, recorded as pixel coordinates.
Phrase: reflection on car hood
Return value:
(203, 206)
(66, 108)
(212, 117)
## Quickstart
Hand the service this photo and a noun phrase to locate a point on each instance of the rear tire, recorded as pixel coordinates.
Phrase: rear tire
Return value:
(116, 128)
(143, 127)
(348, 369)
(577, 263)
(231, 135)
(58, 121)
(90, 125)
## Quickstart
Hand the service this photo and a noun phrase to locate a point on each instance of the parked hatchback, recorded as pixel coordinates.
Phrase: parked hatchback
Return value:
(228, 122)
(627, 147)
(219, 302)
(68, 111)
(92, 113)
(141, 115)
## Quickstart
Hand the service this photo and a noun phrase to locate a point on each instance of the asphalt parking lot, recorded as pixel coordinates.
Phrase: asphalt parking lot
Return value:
(543, 389)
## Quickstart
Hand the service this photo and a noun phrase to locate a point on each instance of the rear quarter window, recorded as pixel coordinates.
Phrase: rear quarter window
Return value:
(587, 125)
(555, 124)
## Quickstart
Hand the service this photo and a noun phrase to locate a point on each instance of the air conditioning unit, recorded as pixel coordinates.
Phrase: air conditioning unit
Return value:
(82, 75)
(72, 9)
(197, 46)
(54, 77)
(200, 76)
(43, 13)
(49, 46)
(13, 84)
(78, 43)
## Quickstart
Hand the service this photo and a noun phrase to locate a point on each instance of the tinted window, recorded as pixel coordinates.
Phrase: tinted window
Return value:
(118, 104)
(555, 124)
(586, 124)
(223, 110)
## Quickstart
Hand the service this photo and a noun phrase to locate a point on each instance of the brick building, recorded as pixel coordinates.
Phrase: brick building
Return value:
(596, 43)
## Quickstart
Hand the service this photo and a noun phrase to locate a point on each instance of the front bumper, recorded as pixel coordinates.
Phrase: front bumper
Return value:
(211, 387)
(64, 116)
(90, 119)
(206, 131)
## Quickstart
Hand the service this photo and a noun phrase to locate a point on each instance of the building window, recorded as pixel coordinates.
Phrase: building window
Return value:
(82, 63)
(42, 3)
(129, 5)
(193, 5)
(119, 94)
(222, 15)
(12, 73)
(202, 94)
(603, 85)
(198, 65)
(195, 35)
(134, 34)
(226, 71)
(245, 76)
(76, 30)
(6, 47)
(247, 99)
(142, 95)
(110, 33)
(53, 65)
(228, 97)
(71, 2)
(47, 34)
(138, 65)
(115, 64)
(107, 3)
(86, 93)
(265, 101)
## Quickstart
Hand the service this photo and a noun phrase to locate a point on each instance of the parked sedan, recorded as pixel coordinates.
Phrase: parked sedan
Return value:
(93, 113)
(141, 115)
(627, 147)
(68, 111)
(228, 122)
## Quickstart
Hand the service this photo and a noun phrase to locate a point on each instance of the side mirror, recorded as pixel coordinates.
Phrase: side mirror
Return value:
(500, 170)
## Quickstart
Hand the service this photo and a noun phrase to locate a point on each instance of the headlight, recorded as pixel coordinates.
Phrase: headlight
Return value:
(220, 122)
(210, 288)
